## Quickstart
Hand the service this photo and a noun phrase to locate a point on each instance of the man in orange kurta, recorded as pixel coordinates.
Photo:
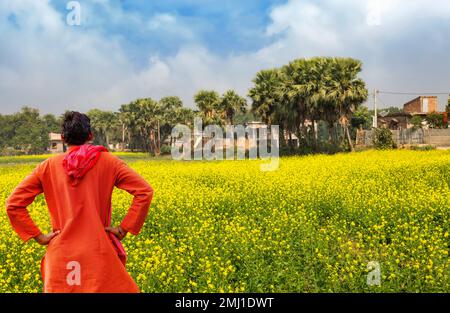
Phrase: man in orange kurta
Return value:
(83, 252)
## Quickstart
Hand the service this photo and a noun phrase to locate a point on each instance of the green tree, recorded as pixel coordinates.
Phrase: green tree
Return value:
(362, 118)
(346, 90)
(416, 121)
(265, 94)
(30, 134)
(171, 114)
(208, 102)
(126, 118)
(435, 120)
(171, 103)
(304, 97)
(391, 110)
(52, 124)
(6, 131)
(103, 124)
(382, 139)
(292, 98)
(231, 104)
(140, 122)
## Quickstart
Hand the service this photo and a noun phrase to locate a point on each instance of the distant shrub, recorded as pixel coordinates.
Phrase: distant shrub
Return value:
(416, 121)
(166, 149)
(435, 120)
(423, 148)
(383, 139)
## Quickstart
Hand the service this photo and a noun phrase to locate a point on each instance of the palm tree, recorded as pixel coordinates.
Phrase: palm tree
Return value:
(128, 113)
(169, 106)
(208, 102)
(103, 123)
(265, 94)
(347, 91)
(125, 122)
(170, 103)
(143, 117)
(231, 104)
(297, 92)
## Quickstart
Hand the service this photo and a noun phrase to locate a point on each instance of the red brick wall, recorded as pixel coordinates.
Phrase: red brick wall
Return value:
(415, 106)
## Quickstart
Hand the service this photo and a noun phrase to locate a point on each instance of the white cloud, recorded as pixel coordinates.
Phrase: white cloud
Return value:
(161, 21)
(48, 64)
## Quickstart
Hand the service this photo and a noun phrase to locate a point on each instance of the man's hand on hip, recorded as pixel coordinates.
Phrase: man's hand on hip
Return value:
(44, 240)
(118, 231)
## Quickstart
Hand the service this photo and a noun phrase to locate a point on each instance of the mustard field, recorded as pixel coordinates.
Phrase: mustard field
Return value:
(311, 226)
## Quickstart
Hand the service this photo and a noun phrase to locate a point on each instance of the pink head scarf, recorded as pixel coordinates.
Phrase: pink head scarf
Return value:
(80, 160)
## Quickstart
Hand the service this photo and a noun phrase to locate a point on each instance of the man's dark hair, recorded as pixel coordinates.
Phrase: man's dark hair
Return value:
(76, 128)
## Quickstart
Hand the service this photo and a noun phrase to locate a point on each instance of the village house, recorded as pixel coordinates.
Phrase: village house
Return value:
(56, 143)
(420, 106)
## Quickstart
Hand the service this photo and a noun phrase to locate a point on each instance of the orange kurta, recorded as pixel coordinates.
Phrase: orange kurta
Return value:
(81, 213)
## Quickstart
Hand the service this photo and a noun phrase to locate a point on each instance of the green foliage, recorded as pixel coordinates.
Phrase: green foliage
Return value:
(103, 123)
(166, 150)
(382, 139)
(423, 148)
(26, 132)
(171, 103)
(362, 117)
(143, 119)
(242, 118)
(391, 110)
(208, 102)
(435, 120)
(416, 121)
(265, 94)
(306, 91)
(230, 105)
(146, 123)
(220, 110)
(300, 97)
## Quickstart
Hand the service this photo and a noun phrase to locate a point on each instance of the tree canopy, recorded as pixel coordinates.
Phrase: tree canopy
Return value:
(306, 97)
(305, 91)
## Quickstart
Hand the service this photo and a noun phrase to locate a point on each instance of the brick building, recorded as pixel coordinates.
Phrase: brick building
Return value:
(420, 106)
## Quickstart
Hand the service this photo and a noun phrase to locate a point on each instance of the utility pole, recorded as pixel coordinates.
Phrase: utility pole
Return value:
(375, 116)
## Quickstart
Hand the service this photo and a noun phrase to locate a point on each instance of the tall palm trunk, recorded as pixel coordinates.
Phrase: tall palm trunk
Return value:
(153, 145)
(158, 145)
(349, 138)
(107, 139)
(145, 144)
(123, 137)
(304, 132)
(314, 137)
(330, 133)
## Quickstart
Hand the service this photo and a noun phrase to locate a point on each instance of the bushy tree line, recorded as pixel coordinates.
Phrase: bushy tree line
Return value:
(141, 125)
(305, 97)
(26, 131)
(300, 94)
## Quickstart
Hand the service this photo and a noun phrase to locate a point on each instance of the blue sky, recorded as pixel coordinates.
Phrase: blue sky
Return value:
(129, 49)
(224, 27)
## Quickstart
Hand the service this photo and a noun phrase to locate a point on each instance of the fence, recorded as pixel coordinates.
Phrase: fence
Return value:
(435, 137)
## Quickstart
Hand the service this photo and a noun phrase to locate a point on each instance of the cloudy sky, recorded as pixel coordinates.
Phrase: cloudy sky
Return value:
(130, 49)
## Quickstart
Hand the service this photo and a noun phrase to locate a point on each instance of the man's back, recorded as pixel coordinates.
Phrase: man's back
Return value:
(81, 210)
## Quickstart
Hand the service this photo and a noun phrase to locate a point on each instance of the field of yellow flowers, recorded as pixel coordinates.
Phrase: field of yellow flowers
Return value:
(311, 226)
